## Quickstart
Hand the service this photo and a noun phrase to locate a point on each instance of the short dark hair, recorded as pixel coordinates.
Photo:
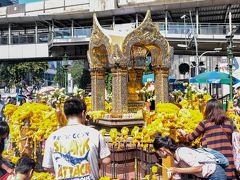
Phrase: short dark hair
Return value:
(166, 142)
(24, 165)
(74, 107)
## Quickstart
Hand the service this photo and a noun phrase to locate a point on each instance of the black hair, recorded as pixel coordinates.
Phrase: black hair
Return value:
(74, 107)
(24, 165)
(54, 104)
(4, 129)
(22, 101)
(12, 101)
(166, 142)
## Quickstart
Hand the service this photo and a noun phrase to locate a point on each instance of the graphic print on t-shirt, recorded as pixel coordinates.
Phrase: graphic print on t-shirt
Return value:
(71, 154)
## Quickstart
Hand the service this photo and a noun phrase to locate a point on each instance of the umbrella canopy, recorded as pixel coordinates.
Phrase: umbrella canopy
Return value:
(21, 97)
(150, 77)
(213, 77)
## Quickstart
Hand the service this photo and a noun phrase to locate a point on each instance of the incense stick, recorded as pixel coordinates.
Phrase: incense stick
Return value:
(162, 166)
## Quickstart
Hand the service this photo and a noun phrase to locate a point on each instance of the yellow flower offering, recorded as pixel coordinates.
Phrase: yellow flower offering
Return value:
(30, 124)
(154, 169)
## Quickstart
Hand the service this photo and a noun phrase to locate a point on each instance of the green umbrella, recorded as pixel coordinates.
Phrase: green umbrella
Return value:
(214, 78)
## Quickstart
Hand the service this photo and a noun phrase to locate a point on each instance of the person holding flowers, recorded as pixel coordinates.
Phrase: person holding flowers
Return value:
(216, 131)
(188, 160)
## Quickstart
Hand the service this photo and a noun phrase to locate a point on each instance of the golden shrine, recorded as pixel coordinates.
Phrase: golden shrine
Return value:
(125, 54)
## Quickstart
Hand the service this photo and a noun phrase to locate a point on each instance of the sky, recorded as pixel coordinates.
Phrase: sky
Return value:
(27, 1)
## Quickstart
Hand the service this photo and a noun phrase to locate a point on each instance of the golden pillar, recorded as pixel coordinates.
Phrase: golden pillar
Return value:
(119, 91)
(98, 89)
(161, 84)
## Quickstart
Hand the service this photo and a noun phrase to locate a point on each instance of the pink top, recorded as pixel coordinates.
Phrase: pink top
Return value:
(187, 157)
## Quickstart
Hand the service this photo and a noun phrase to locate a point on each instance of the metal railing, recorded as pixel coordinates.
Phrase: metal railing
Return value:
(82, 32)
(43, 38)
(185, 30)
(203, 28)
(3, 40)
(23, 39)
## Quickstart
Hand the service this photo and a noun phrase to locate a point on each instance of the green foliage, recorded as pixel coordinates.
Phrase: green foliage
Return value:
(108, 81)
(148, 66)
(85, 79)
(81, 76)
(59, 76)
(13, 74)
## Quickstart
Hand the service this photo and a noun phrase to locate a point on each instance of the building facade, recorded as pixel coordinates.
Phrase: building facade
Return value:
(45, 30)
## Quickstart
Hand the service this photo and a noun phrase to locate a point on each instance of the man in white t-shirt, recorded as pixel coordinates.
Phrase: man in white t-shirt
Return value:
(75, 151)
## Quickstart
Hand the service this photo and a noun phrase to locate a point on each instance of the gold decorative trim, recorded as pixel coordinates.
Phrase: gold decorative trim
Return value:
(98, 41)
(148, 35)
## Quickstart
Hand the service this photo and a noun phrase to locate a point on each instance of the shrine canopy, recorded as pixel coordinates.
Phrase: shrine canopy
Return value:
(124, 53)
(110, 47)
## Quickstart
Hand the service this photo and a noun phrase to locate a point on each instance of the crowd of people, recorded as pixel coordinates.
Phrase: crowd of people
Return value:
(78, 151)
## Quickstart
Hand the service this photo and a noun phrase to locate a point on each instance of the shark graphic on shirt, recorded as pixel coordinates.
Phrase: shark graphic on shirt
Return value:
(70, 159)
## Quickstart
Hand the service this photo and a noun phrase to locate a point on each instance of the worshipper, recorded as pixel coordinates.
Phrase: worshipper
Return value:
(188, 160)
(23, 170)
(216, 130)
(75, 146)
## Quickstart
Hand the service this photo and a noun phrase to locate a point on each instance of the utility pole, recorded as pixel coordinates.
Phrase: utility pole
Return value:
(229, 38)
(195, 42)
(65, 68)
(230, 62)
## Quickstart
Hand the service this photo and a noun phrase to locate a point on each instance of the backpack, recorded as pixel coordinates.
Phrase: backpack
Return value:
(236, 149)
(217, 157)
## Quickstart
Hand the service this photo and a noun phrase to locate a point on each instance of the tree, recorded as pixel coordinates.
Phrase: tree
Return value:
(30, 72)
(81, 75)
(59, 76)
(108, 81)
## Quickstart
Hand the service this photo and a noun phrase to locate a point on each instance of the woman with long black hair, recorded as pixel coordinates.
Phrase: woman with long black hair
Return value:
(5, 167)
(188, 160)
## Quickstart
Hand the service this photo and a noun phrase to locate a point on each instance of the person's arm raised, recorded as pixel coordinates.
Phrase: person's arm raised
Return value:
(195, 134)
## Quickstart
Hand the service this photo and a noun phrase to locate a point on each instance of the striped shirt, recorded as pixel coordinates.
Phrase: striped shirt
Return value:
(216, 138)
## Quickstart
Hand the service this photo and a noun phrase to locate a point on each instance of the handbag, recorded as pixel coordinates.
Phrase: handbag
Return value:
(217, 157)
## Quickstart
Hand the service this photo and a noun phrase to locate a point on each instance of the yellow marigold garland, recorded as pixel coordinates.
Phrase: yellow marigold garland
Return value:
(40, 120)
